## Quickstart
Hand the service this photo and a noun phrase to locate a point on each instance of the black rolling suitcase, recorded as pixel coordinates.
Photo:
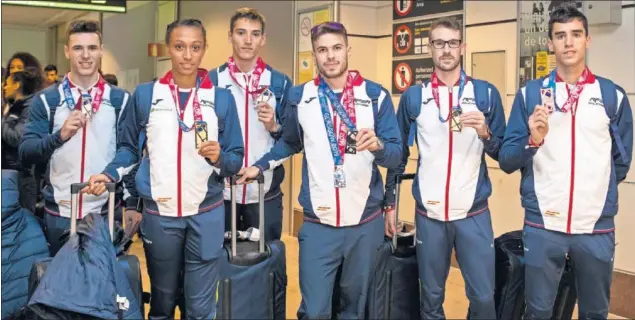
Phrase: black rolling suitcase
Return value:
(510, 281)
(129, 263)
(254, 281)
(394, 284)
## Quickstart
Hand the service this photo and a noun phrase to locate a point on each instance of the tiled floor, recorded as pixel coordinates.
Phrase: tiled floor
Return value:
(455, 302)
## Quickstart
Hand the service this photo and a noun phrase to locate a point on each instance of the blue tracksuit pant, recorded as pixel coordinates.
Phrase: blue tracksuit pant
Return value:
(322, 250)
(56, 226)
(473, 241)
(591, 261)
(192, 244)
(248, 215)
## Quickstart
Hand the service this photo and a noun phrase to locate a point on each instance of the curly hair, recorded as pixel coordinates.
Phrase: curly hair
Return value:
(27, 59)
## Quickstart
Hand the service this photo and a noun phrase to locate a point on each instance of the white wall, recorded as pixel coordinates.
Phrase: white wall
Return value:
(14, 39)
(127, 56)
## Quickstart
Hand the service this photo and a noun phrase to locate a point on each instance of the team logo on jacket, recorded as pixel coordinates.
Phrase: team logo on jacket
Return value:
(596, 102)
(552, 213)
(309, 100)
(154, 109)
(365, 103)
(467, 100)
(425, 102)
(207, 104)
(106, 102)
(155, 102)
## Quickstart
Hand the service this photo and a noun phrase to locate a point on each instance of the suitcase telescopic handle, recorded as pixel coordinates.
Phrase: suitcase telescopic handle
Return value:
(398, 179)
(76, 188)
(261, 211)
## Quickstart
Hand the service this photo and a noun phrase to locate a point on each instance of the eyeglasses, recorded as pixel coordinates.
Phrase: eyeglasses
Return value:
(329, 24)
(440, 44)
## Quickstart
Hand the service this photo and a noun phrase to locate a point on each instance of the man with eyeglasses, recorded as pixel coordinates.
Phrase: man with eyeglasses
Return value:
(455, 120)
(346, 126)
(571, 136)
(260, 92)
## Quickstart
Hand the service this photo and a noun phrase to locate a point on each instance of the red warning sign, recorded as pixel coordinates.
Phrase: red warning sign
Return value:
(402, 76)
(402, 39)
(403, 7)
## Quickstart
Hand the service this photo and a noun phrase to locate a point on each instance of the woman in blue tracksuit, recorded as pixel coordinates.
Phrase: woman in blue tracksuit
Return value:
(192, 137)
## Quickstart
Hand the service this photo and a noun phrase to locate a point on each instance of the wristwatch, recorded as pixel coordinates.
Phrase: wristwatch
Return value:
(489, 134)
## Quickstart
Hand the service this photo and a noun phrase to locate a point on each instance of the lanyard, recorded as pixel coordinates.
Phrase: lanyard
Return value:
(85, 95)
(574, 94)
(255, 76)
(348, 119)
(196, 106)
(434, 80)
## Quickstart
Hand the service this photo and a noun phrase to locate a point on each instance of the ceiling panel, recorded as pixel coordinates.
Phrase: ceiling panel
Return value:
(37, 17)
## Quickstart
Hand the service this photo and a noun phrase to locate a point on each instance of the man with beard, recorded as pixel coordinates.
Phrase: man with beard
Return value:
(72, 128)
(455, 121)
(260, 92)
(571, 135)
(346, 126)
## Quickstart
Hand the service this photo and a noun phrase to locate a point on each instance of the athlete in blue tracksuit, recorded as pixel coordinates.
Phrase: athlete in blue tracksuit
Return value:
(572, 153)
(72, 130)
(451, 187)
(180, 179)
(260, 92)
(342, 189)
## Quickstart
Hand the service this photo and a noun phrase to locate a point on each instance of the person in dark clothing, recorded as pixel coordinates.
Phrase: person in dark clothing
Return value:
(19, 90)
(111, 78)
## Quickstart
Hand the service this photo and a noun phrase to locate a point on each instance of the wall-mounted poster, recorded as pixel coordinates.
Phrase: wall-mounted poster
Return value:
(409, 72)
(535, 59)
(403, 9)
(411, 38)
(306, 20)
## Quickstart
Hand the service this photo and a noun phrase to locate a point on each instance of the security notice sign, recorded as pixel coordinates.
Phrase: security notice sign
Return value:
(410, 72)
(403, 9)
(412, 38)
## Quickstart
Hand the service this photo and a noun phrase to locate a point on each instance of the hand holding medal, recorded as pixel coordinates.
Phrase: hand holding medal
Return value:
(538, 124)
(476, 120)
(266, 111)
(73, 123)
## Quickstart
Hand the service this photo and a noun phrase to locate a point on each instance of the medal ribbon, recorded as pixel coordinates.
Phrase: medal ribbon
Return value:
(345, 112)
(255, 76)
(434, 80)
(574, 94)
(196, 106)
(95, 103)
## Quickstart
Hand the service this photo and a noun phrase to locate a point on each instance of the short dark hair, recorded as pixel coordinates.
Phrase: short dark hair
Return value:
(27, 59)
(249, 14)
(50, 67)
(30, 79)
(564, 13)
(83, 26)
(111, 79)
(326, 28)
(447, 23)
(195, 23)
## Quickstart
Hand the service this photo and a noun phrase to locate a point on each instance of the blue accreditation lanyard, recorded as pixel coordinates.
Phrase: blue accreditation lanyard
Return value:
(324, 93)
